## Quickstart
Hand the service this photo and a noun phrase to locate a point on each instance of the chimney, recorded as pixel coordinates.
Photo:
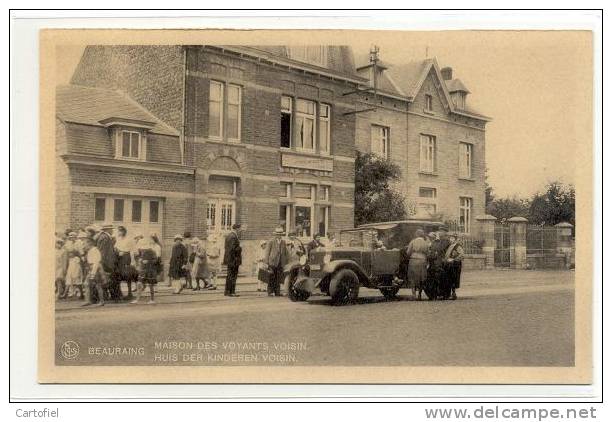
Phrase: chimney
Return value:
(447, 73)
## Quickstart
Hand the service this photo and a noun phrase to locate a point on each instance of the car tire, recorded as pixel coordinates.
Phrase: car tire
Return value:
(390, 293)
(295, 295)
(344, 287)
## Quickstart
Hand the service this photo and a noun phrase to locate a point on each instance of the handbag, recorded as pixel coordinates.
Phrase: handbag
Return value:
(264, 275)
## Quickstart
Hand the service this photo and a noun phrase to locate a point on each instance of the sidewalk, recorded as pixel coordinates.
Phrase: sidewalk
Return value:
(472, 282)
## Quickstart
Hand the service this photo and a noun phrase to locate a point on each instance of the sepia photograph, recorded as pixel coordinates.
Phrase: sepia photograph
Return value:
(332, 206)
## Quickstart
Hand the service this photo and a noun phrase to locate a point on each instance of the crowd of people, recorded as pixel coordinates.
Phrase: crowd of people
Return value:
(432, 263)
(93, 262)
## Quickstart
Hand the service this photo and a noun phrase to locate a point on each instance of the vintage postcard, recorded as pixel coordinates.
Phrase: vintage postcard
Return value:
(295, 206)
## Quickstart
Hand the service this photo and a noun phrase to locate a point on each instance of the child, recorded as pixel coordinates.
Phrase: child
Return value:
(148, 254)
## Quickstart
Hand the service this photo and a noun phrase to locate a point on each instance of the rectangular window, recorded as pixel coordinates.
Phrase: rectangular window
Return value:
(130, 144)
(136, 211)
(428, 102)
(100, 212)
(323, 220)
(303, 221)
(465, 160)
(380, 140)
(227, 215)
(285, 190)
(324, 137)
(284, 220)
(215, 110)
(305, 125)
(118, 209)
(427, 193)
(211, 215)
(323, 193)
(153, 211)
(465, 214)
(234, 105)
(286, 110)
(428, 154)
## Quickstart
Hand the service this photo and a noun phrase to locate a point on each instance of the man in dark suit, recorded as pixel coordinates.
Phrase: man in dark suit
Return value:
(233, 259)
(276, 258)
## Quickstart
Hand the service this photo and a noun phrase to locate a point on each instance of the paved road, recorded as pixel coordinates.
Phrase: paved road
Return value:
(502, 318)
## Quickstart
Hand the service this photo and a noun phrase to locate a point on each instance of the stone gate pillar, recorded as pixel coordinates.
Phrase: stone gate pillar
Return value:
(518, 242)
(486, 231)
(564, 242)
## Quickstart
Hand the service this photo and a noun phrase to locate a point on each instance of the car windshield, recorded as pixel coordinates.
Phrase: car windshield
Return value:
(358, 238)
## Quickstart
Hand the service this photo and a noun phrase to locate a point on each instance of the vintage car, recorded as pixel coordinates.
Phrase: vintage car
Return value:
(368, 256)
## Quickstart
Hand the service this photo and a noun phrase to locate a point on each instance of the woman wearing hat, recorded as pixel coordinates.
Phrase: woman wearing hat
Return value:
(213, 256)
(416, 253)
(200, 265)
(178, 260)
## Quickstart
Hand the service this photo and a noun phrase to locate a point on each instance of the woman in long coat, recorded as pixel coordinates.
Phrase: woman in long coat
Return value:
(454, 256)
(213, 257)
(178, 261)
(200, 271)
(416, 252)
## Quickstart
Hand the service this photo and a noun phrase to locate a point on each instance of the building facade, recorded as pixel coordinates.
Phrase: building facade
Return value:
(420, 119)
(257, 135)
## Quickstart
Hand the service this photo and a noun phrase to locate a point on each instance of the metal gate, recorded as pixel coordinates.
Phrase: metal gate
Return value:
(501, 257)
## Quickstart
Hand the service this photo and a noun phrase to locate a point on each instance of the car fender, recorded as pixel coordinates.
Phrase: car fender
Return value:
(335, 266)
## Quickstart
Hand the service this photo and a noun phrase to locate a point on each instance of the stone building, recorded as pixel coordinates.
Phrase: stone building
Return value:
(175, 138)
(420, 118)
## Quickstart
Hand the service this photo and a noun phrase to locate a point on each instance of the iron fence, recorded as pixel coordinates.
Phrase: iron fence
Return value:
(541, 240)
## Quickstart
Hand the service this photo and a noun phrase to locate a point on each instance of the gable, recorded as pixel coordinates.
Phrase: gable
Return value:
(431, 86)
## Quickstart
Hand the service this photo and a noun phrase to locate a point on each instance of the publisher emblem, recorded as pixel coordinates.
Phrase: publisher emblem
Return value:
(70, 350)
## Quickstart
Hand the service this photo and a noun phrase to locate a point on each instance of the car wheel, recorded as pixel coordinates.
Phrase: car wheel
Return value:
(344, 287)
(389, 293)
(294, 294)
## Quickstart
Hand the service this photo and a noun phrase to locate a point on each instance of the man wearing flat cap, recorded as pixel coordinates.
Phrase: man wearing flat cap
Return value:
(233, 259)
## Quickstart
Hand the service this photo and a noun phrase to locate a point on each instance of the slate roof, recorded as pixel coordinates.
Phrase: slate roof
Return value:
(89, 106)
(456, 85)
(339, 57)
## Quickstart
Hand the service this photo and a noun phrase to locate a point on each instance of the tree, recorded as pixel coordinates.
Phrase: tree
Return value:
(504, 208)
(375, 199)
(556, 205)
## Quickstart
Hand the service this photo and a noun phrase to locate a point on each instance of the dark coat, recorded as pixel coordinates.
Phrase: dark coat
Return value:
(232, 256)
(277, 254)
(178, 259)
(106, 246)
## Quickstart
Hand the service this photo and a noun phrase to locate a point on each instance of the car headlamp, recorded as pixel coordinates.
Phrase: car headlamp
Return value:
(303, 260)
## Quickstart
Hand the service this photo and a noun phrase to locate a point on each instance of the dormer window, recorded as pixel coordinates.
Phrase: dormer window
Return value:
(459, 99)
(130, 145)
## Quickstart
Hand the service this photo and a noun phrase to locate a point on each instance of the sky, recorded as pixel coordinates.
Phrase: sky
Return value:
(536, 86)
